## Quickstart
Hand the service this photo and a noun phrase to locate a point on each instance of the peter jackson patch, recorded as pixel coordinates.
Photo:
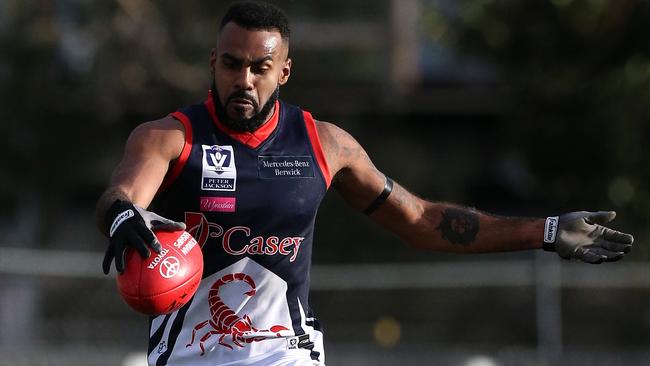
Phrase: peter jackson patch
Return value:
(219, 170)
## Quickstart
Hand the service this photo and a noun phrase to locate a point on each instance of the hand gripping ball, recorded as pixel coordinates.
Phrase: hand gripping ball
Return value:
(165, 281)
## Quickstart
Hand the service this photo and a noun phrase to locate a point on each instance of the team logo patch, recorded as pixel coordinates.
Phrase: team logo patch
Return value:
(233, 331)
(299, 342)
(162, 347)
(219, 171)
(240, 311)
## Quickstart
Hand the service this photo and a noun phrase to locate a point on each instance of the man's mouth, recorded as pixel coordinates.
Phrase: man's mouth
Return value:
(241, 103)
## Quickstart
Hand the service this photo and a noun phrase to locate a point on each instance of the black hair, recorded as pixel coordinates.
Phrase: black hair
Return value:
(257, 16)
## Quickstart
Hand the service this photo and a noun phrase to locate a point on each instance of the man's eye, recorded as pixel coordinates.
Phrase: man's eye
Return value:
(229, 64)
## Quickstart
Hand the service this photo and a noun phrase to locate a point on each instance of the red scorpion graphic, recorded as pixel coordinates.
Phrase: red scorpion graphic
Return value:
(225, 321)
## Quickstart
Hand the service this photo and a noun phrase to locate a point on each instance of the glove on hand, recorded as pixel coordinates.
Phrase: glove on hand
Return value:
(133, 226)
(580, 235)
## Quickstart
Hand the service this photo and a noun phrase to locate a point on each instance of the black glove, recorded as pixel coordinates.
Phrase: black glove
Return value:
(580, 235)
(133, 226)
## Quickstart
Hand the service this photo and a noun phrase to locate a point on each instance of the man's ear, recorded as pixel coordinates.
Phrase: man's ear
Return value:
(286, 72)
(213, 60)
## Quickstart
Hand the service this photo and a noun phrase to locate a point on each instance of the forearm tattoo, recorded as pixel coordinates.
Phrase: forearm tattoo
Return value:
(459, 226)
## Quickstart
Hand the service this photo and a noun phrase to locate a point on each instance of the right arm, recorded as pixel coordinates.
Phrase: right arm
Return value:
(121, 213)
(149, 150)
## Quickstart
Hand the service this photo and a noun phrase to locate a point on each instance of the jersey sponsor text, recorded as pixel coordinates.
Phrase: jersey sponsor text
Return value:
(235, 240)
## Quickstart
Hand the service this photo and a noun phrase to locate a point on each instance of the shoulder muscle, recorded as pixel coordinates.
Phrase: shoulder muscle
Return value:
(164, 138)
(149, 150)
(341, 149)
(359, 182)
(355, 177)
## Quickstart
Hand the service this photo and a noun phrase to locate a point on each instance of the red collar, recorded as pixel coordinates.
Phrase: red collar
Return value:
(251, 139)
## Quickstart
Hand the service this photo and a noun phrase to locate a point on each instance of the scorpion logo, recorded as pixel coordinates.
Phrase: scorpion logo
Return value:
(224, 320)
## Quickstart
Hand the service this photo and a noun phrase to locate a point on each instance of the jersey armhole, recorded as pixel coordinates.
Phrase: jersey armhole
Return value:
(317, 147)
(177, 166)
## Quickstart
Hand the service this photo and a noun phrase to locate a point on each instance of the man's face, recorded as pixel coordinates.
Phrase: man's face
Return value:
(248, 66)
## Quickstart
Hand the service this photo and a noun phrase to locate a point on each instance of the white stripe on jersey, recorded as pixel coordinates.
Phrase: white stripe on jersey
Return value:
(161, 347)
(314, 335)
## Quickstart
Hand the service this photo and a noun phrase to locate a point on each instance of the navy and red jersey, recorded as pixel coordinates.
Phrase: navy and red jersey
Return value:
(250, 200)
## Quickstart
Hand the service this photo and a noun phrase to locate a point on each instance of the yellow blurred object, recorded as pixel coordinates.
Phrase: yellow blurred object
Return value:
(387, 332)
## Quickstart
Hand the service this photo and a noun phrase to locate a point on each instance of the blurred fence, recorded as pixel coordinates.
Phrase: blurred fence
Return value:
(78, 318)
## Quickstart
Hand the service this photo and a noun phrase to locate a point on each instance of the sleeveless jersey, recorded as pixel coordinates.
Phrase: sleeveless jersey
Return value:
(251, 205)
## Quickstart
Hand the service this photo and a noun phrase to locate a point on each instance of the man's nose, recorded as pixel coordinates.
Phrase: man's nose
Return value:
(245, 79)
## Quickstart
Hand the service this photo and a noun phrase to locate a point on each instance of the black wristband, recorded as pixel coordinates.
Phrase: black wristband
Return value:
(388, 188)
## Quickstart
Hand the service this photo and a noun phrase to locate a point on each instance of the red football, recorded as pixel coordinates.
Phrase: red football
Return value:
(165, 281)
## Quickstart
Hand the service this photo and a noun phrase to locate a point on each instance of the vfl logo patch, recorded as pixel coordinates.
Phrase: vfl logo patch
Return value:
(219, 171)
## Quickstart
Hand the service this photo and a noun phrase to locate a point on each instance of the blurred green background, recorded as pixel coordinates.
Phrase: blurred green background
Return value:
(525, 108)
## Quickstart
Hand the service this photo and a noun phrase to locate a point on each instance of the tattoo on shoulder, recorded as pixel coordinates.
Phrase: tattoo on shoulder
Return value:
(459, 226)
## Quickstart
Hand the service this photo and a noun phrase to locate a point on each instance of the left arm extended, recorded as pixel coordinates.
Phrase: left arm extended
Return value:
(450, 227)
(453, 228)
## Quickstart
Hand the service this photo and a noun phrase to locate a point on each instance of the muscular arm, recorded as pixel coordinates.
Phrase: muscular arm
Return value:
(430, 225)
(149, 150)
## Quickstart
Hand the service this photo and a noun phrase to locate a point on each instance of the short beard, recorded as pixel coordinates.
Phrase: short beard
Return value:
(246, 124)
